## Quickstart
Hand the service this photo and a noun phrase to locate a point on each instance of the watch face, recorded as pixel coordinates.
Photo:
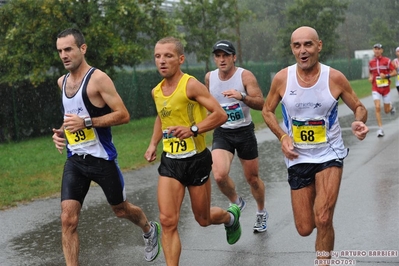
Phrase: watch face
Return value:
(194, 129)
(88, 122)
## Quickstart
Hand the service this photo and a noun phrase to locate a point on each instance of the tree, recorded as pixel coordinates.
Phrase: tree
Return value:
(385, 29)
(259, 32)
(369, 22)
(206, 21)
(323, 15)
(118, 33)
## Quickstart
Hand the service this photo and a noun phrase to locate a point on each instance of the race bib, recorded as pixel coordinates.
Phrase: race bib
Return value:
(176, 148)
(381, 82)
(309, 133)
(81, 138)
(234, 113)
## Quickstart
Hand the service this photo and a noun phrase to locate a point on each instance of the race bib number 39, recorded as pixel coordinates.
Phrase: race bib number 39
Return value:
(309, 133)
(81, 138)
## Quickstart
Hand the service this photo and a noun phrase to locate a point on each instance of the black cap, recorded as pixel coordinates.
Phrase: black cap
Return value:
(377, 45)
(224, 46)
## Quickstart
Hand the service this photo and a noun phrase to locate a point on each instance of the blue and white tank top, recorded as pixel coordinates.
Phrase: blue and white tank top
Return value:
(310, 117)
(96, 142)
(237, 111)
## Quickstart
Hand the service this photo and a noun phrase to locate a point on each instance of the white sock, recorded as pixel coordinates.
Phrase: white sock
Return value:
(231, 220)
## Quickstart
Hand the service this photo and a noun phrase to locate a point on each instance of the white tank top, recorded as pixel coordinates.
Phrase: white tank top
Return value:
(95, 141)
(310, 117)
(237, 111)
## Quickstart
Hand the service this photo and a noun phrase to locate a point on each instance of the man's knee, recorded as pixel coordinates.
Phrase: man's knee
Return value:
(221, 179)
(324, 220)
(254, 181)
(305, 229)
(69, 221)
(168, 222)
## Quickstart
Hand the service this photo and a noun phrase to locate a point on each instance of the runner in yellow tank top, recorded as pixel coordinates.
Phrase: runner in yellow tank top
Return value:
(186, 110)
(178, 109)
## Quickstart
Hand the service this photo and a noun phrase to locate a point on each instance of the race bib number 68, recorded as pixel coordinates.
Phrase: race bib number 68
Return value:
(309, 133)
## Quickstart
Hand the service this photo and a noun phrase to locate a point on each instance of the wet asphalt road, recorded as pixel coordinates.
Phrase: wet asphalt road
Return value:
(366, 216)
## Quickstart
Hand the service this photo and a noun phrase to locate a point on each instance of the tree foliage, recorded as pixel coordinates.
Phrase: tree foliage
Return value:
(323, 15)
(118, 33)
(207, 21)
(369, 22)
(260, 40)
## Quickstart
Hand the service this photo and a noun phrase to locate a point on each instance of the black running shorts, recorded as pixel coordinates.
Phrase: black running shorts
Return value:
(242, 139)
(303, 174)
(79, 171)
(192, 171)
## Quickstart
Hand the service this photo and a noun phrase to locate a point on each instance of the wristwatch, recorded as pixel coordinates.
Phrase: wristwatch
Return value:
(88, 122)
(194, 129)
(243, 95)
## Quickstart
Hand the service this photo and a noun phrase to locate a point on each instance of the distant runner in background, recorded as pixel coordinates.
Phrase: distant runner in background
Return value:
(381, 70)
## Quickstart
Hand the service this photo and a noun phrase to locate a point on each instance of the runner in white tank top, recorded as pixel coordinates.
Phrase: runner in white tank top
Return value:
(311, 120)
(310, 136)
(237, 91)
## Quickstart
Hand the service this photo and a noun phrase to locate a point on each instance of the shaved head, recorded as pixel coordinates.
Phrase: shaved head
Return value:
(306, 46)
(305, 32)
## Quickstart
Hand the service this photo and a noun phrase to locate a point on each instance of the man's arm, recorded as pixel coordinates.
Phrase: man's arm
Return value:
(273, 98)
(254, 97)
(197, 91)
(276, 93)
(101, 91)
(340, 87)
(106, 89)
(151, 153)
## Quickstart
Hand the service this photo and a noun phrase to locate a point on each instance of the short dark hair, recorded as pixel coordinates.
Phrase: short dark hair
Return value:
(77, 34)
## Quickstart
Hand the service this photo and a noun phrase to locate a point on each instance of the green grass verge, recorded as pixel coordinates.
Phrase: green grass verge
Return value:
(32, 169)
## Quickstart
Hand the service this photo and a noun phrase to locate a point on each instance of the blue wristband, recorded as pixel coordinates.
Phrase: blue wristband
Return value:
(388, 76)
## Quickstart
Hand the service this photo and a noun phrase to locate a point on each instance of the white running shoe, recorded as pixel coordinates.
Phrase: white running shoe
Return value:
(380, 133)
(393, 110)
(261, 222)
(152, 245)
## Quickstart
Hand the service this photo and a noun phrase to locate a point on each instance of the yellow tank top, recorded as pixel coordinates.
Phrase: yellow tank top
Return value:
(178, 110)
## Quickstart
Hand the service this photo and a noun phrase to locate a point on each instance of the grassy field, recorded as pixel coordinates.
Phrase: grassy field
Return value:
(32, 169)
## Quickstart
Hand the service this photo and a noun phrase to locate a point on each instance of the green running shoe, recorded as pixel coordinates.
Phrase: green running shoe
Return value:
(233, 232)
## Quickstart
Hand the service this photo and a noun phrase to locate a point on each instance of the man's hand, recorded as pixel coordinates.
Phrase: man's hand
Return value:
(58, 139)
(359, 129)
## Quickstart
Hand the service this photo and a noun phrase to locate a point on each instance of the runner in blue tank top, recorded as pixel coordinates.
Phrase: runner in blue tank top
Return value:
(91, 106)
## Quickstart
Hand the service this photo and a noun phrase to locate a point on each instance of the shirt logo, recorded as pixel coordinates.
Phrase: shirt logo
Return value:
(75, 111)
(164, 112)
(307, 105)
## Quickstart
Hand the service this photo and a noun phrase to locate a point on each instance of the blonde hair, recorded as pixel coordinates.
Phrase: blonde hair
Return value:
(179, 46)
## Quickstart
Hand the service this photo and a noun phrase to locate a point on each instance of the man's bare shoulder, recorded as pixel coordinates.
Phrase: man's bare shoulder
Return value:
(281, 76)
(247, 75)
(60, 80)
(337, 76)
